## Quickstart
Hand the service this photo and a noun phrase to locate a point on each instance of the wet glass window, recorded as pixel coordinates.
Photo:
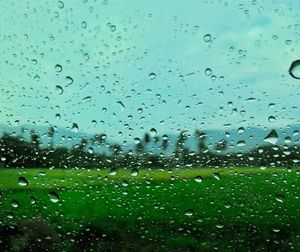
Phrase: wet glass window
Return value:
(149, 125)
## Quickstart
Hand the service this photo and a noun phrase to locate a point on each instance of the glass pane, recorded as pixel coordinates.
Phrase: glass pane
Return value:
(149, 125)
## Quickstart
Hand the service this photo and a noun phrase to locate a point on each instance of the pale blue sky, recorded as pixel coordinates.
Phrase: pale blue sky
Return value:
(109, 48)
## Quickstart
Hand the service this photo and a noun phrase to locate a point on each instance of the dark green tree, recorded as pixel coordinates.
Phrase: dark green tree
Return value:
(201, 136)
(180, 144)
(50, 134)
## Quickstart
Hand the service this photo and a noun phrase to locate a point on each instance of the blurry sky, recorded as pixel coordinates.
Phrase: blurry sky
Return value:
(140, 64)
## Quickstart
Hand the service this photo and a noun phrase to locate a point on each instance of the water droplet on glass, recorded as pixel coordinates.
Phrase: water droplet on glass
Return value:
(57, 116)
(137, 140)
(83, 25)
(271, 119)
(153, 132)
(208, 72)
(134, 172)
(87, 99)
(272, 138)
(241, 130)
(241, 143)
(59, 90)
(69, 80)
(152, 76)
(23, 181)
(58, 68)
(60, 4)
(122, 107)
(189, 212)
(165, 138)
(113, 28)
(217, 176)
(276, 230)
(53, 197)
(288, 42)
(207, 38)
(198, 179)
(113, 172)
(15, 203)
(280, 198)
(271, 105)
(32, 200)
(295, 69)
(75, 127)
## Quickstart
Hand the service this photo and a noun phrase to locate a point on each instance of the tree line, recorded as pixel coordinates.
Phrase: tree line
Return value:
(16, 151)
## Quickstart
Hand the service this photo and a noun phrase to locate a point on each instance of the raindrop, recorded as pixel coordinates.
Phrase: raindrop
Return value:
(152, 76)
(15, 203)
(287, 140)
(58, 68)
(69, 80)
(207, 38)
(165, 138)
(60, 4)
(288, 42)
(198, 179)
(53, 197)
(280, 198)
(153, 132)
(217, 176)
(57, 116)
(134, 172)
(87, 99)
(75, 127)
(241, 143)
(276, 230)
(208, 72)
(113, 172)
(23, 181)
(83, 25)
(113, 28)
(271, 105)
(294, 69)
(272, 138)
(227, 205)
(189, 212)
(32, 200)
(59, 90)
(271, 119)
(103, 136)
(94, 122)
(137, 140)
(122, 107)
(90, 150)
(241, 130)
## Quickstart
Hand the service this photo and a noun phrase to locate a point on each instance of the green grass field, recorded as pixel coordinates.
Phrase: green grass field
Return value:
(234, 209)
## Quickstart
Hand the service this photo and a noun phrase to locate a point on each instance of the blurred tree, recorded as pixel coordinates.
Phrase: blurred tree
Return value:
(116, 149)
(201, 136)
(50, 134)
(35, 140)
(221, 146)
(165, 143)
(180, 144)
(147, 138)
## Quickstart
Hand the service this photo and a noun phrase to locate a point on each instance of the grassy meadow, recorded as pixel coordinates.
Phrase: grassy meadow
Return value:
(233, 209)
